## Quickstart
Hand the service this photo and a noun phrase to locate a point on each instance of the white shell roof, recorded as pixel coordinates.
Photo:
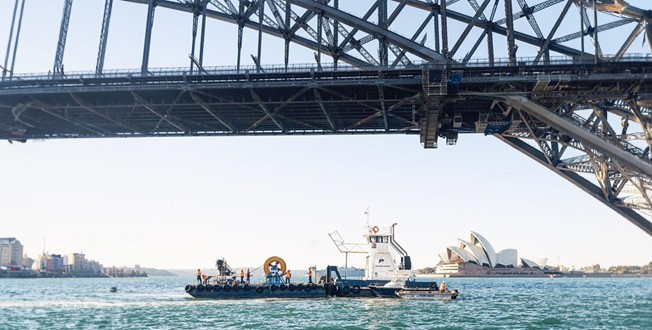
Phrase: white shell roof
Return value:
(507, 257)
(486, 246)
(476, 251)
(541, 261)
(461, 253)
(531, 263)
(444, 256)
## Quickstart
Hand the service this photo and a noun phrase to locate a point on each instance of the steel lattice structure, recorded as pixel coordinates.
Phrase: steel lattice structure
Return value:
(571, 107)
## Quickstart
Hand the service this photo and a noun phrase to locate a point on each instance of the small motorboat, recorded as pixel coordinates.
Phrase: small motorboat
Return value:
(427, 294)
(397, 287)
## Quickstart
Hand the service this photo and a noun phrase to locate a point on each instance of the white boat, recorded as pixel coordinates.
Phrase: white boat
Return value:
(426, 294)
(398, 287)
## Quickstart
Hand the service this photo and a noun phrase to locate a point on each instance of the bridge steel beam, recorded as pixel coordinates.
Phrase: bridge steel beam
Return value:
(11, 34)
(151, 9)
(405, 43)
(544, 48)
(104, 36)
(254, 26)
(493, 27)
(223, 121)
(263, 107)
(578, 181)
(578, 133)
(88, 107)
(63, 34)
(20, 23)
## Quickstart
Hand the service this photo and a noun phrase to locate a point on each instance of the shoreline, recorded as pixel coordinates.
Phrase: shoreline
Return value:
(536, 276)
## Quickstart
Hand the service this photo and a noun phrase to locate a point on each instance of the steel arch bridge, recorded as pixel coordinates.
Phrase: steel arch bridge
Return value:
(545, 86)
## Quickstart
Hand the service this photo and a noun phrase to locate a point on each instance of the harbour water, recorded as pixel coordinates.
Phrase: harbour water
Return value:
(161, 303)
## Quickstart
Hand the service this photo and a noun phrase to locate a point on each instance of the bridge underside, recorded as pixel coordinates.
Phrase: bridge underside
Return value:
(562, 115)
(408, 100)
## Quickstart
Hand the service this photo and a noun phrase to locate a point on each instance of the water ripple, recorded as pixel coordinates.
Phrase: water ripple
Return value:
(160, 303)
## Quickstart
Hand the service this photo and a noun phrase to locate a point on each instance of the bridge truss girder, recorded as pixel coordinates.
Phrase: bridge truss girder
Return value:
(322, 23)
(622, 171)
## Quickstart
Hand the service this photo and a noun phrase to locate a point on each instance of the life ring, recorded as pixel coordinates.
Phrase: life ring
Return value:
(226, 287)
(217, 287)
(375, 229)
(356, 290)
(259, 289)
(282, 287)
(188, 288)
(200, 288)
(208, 288)
(282, 266)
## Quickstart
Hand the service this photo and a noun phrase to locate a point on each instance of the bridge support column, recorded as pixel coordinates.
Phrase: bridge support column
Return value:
(444, 29)
(151, 7)
(20, 23)
(383, 55)
(261, 15)
(431, 108)
(429, 130)
(104, 36)
(511, 46)
(63, 33)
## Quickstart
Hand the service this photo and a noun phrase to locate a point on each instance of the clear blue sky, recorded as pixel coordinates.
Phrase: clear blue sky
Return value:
(183, 202)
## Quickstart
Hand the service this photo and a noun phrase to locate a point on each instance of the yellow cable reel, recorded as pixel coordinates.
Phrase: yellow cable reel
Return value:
(279, 262)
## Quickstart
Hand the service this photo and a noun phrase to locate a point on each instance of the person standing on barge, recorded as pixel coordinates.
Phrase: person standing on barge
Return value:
(288, 276)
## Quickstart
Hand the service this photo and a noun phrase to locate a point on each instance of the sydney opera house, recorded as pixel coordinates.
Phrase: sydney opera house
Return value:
(477, 257)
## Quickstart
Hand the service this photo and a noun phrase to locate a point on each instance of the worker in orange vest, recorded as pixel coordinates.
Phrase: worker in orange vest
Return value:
(442, 288)
(198, 276)
(241, 275)
(309, 275)
(288, 276)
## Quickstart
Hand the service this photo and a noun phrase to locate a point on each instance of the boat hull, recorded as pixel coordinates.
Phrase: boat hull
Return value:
(426, 294)
(256, 292)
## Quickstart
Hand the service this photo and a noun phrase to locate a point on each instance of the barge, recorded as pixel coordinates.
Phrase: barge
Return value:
(384, 277)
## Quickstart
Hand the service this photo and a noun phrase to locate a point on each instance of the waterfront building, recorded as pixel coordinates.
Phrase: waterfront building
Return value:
(79, 265)
(11, 252)
(477, 257)
(123, 271)
(27, 262)
(50, 263)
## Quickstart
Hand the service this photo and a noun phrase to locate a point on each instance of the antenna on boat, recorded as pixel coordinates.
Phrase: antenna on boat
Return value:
(366, 212)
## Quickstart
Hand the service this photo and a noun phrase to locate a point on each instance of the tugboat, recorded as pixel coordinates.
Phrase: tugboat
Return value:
(380, 266)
